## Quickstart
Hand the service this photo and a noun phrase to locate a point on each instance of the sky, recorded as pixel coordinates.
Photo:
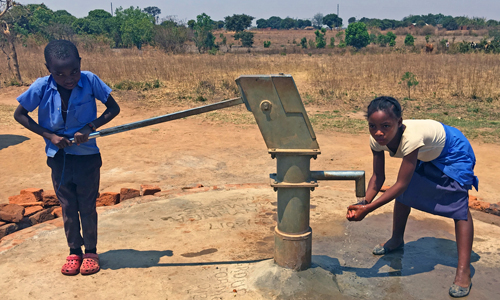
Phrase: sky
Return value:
(301, 9)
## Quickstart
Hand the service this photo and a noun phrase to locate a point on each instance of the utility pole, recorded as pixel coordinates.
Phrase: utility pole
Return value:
(111, 8)
(338, 28)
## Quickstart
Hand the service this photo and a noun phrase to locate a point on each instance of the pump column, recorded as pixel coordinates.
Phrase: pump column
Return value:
(293, 235)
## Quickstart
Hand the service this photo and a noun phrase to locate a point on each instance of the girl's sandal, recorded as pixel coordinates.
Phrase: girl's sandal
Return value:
(72, 265)
(90, 264)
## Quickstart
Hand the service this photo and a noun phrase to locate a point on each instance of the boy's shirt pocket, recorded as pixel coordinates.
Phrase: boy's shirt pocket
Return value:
(85, 111)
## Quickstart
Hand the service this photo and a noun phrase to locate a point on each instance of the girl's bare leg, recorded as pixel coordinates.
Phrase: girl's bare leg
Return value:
(464, 232)
(400, 217)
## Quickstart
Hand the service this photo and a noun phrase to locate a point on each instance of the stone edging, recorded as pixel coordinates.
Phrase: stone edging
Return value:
(16, 238)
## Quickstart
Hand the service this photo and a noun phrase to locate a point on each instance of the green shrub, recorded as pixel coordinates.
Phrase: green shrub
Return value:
(138, 85)
(267, 44)
(320, 39)
(332, 42)
(409, 40)
(246, 38)
(303, 43)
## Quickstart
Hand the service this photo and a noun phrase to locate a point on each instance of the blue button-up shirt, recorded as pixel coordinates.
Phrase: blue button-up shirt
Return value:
(82, 109)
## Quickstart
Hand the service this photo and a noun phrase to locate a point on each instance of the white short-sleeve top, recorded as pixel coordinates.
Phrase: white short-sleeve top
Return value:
(428, 136)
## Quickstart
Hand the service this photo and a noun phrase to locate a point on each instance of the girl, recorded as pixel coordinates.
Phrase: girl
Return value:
(435, 176)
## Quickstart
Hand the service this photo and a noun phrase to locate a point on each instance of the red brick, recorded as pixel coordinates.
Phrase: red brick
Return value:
(108, 199)
(11, 213)
(50, 199)
(126, 193)
(8, 229)
(28, 204)
(31, 210)
(494, 209)
(37, 193)
(478, 205)
(42, 216)
(24, 198)
(168, 192)
(57, 212)
(192, 186)
(25, 223)
(149, 189)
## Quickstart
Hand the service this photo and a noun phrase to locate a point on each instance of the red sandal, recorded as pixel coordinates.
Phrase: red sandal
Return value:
(90, 264)
(72, 265)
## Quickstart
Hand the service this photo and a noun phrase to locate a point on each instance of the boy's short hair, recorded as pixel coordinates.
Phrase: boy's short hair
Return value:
(60, 49)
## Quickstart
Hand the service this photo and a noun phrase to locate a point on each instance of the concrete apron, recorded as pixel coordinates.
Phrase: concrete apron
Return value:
(219, 245)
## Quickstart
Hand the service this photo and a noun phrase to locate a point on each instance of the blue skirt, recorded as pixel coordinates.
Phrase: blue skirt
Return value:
(432, 191)
(441, 187)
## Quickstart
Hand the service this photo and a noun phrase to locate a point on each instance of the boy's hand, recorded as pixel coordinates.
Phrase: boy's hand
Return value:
(357, 212)
(60, 142)
(82, 136)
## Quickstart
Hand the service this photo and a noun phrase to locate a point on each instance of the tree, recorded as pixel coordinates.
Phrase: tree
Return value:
(203, 36)
(171, 37)
(153, 11)
(262, 23)
(274, 22)
(135, 26)
(238, 22)
(409, 40)
(351, 20)
(317, 20)
(356, 35)
(288, 23)
(411, 80)
(449, 23)
(98, 21)
(219, 24)
(332, 20)
(5, 5)
(246, 38)
(303, 23)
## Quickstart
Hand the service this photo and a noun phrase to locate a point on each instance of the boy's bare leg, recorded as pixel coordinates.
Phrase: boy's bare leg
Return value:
(400, 217)
(464, 232)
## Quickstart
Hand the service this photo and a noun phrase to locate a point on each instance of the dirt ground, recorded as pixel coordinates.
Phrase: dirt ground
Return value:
(192, 151)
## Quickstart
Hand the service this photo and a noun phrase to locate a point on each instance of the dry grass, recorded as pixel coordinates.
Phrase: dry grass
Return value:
(462, 86)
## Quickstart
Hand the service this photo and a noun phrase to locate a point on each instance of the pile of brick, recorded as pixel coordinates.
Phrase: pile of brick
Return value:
(491, 208)
(33, 206)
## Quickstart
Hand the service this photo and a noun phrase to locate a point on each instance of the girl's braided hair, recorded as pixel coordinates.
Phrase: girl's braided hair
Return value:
(384, 103)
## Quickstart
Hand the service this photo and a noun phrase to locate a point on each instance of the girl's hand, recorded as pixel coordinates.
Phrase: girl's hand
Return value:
(60, 142)
(357, 212)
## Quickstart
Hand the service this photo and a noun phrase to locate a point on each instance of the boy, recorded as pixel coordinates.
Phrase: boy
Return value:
(67, 108)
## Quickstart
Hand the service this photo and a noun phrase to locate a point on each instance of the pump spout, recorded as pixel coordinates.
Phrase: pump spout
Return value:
(357, 176)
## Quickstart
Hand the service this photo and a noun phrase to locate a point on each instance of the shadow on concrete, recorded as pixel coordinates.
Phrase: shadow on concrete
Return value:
(130, 258)
(7, 140)
(420, 256)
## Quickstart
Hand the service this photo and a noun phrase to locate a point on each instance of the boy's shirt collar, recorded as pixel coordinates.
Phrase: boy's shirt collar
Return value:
(53, 84)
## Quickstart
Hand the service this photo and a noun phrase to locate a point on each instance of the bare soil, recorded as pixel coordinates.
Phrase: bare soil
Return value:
(192, 151)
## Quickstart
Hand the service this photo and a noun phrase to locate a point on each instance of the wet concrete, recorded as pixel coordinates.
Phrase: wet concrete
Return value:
(218, 244)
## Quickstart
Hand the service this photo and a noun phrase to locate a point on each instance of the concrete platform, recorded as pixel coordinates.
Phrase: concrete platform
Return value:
(217, 243)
